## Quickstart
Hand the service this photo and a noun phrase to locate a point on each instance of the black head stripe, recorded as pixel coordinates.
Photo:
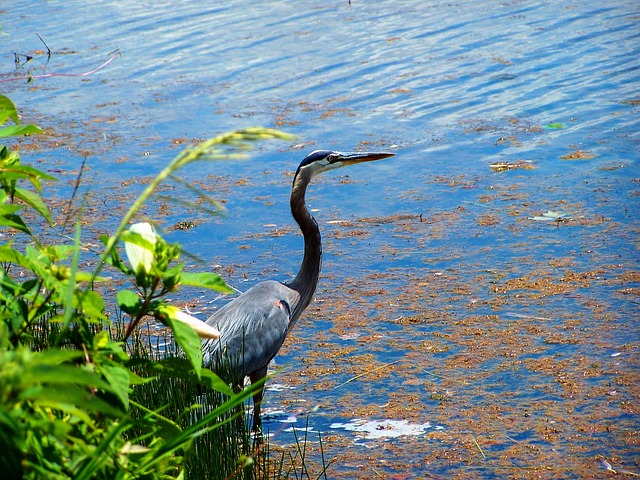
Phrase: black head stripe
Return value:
(315, 156)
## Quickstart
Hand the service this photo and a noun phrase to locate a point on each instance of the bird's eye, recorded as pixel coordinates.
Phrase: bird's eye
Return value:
(332, 158)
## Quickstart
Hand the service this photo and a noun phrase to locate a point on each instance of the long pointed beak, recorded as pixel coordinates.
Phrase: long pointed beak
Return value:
(351, 158)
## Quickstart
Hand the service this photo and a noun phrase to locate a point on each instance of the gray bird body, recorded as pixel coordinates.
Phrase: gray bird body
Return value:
(254, 325)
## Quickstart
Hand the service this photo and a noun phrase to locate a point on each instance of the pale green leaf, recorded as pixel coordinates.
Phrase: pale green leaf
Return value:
(16, 130)
(187, 338)
(211, 281)
(8, 110)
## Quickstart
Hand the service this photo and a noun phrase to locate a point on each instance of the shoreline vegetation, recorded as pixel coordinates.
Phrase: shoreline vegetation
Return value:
(83, 392)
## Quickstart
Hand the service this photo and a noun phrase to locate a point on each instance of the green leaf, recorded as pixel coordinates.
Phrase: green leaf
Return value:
(58, 252)
(101, 340)
(555, 126)
(209, 280)
(51, 357)
(8, 110)
(214, 382)
(35, 201)
(16, 171)
(172, 277)
(128, 236)
(135, 379)
(10, 209)
(103, 343)
(72, 399)
(9, 255)
(91, 304)
(15, 130)
(129, 302)
(189, 341)
(39, 373)
(114, 259)
(14, 221)
(118, 378)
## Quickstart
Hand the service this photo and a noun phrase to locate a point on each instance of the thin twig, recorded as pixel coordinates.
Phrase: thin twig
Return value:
(479, 447)
(365, 373)
(73, 195)
(432, 374)
(616, 471)
(45, 75)
(49, 52)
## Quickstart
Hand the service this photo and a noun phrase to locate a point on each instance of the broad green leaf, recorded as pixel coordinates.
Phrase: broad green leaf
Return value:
(58, 252)
(8, 423)
(14, 221)
(91, 303)
(135, 379)
(15, 130)
(56, 357)
(44, 396)
(8, 157)
(37, 255)
(113, 349)
(9, 255)
(129, 302)
(118, 378)
(17, 171)
(177, 367)
(214, 382)
(72, 399)
(35, 201)
(209, 280)
(172, 277)
(8, 110)
(63, 374)
(189, 341)
(9, 286)
(101, 340)
(7, 209)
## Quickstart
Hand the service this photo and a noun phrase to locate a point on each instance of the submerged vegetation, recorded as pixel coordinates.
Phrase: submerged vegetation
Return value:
(85, 396)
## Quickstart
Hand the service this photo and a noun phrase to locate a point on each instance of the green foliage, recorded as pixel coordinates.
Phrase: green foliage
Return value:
(76, 401)
(12, 171)
(52, 405)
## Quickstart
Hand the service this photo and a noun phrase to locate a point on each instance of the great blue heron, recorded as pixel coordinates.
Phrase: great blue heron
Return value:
(254, 325)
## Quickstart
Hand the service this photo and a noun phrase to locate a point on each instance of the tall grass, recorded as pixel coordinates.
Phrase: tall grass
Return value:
(228, 451)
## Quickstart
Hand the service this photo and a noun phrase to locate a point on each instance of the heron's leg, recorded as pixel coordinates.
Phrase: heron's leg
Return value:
(257, 397)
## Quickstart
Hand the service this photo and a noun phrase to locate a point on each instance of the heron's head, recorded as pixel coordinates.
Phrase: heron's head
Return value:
(322, 160)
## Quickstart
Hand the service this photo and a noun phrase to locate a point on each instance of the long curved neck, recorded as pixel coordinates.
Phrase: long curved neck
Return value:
(306, 280)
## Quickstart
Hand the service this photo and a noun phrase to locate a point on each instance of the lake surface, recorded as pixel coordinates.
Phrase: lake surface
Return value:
(458, 331)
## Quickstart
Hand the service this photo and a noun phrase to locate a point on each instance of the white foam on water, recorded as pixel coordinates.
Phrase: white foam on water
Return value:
(374, 429)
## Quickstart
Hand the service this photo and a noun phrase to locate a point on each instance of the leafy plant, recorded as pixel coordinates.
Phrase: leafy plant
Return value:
(72, 401)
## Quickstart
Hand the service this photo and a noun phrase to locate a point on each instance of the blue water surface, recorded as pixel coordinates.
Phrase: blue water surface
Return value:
(464, 311)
